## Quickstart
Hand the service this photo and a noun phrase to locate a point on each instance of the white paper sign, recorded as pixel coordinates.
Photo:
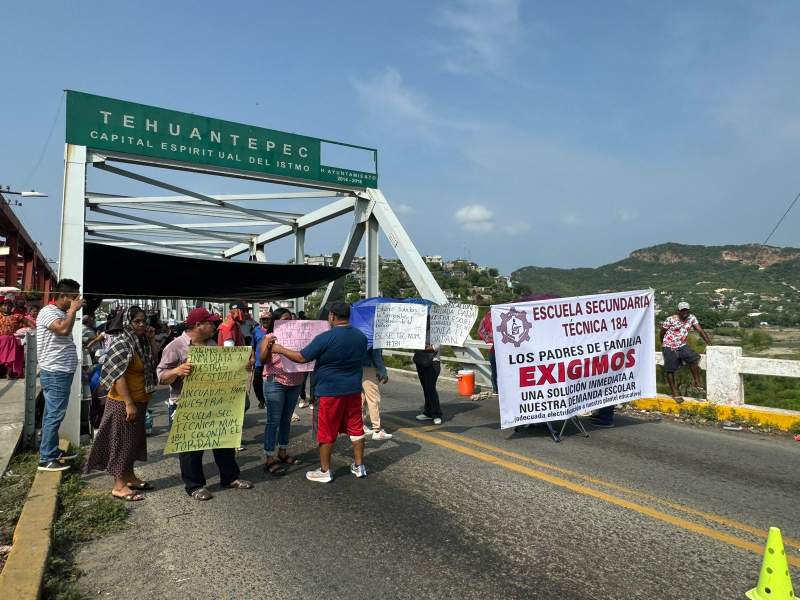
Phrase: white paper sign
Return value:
(557, 358)
(400, 326)
(296, 334)
(451, 323)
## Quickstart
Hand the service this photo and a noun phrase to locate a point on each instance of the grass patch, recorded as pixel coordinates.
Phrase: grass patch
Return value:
(14, 486)
(83, 515)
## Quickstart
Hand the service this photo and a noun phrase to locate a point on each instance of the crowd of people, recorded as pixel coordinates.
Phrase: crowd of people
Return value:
(135, 354)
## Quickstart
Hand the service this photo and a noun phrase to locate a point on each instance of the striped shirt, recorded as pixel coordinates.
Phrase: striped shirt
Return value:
(55, 352)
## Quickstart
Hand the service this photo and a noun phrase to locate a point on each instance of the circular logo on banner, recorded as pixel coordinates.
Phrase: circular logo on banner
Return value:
(514, 327)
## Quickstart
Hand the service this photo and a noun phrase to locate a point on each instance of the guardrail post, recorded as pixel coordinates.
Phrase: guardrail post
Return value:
(723, 380)
(29, 423)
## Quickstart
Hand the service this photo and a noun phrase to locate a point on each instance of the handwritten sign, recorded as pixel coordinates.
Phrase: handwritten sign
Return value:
(211, 407)
(451, 323)
(400, 326)
(296, 335)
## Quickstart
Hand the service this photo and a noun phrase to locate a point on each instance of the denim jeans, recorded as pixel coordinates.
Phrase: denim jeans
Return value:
(56, 386)
(281, 401)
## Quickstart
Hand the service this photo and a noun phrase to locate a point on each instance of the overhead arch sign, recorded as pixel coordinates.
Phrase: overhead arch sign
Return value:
(125, 127)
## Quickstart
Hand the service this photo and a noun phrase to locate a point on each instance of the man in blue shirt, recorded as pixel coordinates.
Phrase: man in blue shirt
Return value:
(339, 354)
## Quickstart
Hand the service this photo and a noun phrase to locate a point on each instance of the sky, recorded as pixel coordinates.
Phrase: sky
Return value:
(512, 133)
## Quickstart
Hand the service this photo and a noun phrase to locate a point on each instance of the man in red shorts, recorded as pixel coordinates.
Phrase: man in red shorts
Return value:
(338, 353)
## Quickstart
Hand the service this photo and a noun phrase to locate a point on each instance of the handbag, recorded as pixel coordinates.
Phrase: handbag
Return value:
(423, 359)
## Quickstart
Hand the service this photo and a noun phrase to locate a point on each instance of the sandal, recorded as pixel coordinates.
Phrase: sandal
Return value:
(274, 468)
(132, 497)
(142, 485)
(202, 494)
(239, 484)
(289, 460)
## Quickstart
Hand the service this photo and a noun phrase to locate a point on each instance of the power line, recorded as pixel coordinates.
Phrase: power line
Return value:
(35, 169)
(778, 224)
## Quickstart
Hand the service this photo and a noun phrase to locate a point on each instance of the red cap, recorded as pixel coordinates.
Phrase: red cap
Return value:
(198, 315)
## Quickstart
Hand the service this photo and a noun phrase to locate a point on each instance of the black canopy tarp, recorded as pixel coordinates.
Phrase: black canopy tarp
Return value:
(118, 272)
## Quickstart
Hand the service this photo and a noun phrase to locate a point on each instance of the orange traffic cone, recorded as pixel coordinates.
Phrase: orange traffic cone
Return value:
(774, 582)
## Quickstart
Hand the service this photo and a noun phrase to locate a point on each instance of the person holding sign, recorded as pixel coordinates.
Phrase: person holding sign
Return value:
(429, 365)
(281, 391)
(339, 353)
(129, 375)
(172, 369)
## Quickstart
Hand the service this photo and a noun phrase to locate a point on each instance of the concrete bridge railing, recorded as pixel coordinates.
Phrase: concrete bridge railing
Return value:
(724, 366)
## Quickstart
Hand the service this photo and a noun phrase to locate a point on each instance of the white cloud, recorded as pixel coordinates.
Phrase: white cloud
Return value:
(476, 218)
(404, 209)
(626, 215)
(486, 33)
(517, 228)
(472, 213)
(571, 218)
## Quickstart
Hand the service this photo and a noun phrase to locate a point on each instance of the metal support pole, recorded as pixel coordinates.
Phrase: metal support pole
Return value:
(29, 423)
(299, 259)
(71, 266)
(351, 244)
(416, 268)
(372, 258)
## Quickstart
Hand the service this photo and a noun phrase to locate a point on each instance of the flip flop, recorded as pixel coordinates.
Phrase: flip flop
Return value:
(289, 460)
(142, 485)
(275, 469)
(239, 484)
(132, 497)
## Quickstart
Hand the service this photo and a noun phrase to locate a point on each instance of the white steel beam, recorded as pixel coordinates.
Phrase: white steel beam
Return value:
(102, 198)
(113, 213)
(349, 249)
(372, 256)
(315, 217)
(300, 259)
(180, 190)
(167, 245)
(71, 266)
(107, 226)
(416, 268)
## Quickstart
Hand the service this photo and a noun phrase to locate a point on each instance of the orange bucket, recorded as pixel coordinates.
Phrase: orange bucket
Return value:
(466, 382)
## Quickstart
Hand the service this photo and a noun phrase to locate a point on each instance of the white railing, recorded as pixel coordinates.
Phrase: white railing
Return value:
(724, 366)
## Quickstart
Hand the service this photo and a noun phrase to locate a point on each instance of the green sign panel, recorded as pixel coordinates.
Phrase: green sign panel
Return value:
(147, 131)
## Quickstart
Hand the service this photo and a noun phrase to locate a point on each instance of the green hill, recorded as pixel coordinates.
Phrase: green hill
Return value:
(732, 281)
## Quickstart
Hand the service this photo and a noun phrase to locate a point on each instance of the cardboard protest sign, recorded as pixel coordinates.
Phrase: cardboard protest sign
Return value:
(451, 323)
(296, 335)
(211, 408)
(400, 326)
(557, 358)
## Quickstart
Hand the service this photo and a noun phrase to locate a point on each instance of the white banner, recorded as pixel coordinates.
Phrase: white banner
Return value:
(557, 358)
(451, 323)
(400, 326)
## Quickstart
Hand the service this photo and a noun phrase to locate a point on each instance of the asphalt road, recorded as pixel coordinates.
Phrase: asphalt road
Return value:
(645, 510)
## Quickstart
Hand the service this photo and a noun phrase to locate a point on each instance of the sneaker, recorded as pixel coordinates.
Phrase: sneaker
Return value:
(367, 430)
(381, 435)
(423, 417)
(358, 470)
(53, 465)
(319, 476)
(68, 455)
(601, 424)
(437, 421)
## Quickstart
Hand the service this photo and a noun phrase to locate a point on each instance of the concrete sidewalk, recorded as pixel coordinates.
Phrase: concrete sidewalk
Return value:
(12, 416)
